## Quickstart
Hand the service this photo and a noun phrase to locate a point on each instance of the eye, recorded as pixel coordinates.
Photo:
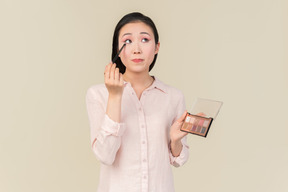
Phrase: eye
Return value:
(127, 41)
(144, 40)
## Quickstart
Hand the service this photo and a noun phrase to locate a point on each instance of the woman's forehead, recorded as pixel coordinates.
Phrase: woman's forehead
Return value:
(136, 28)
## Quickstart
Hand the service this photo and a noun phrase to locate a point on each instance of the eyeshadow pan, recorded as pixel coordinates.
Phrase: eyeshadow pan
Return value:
(201, 121)
(186, 123)
(189, 126)
(188, 117)
(195, 125)
(192, 120)
(185, 126)
(206, 123)
(198, 128)
(203, 130)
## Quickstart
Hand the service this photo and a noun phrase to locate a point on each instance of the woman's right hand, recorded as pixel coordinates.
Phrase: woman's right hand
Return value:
(113, 80)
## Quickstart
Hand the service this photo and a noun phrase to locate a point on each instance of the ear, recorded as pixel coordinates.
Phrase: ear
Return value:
(157, 48)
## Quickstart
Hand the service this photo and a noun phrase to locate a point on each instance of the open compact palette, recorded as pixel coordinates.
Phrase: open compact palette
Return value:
(200, 118)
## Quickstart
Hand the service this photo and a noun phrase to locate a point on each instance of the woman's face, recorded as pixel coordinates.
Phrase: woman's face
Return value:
(140, 48)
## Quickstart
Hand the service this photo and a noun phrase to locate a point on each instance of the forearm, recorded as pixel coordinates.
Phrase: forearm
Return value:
(108, 141)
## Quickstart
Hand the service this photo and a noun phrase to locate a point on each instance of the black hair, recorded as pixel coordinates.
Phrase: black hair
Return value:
(132, 18)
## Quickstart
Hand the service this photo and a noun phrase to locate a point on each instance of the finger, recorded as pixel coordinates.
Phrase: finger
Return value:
(107, 71)
(112, 72)
(117, 74)
(121, 79)
(183, 133)
(182, 118)
(201, 114)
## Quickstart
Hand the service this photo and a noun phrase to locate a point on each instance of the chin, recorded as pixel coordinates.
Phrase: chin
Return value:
(138, 68)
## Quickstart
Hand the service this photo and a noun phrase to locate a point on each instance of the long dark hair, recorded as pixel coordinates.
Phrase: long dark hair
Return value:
(132, 18)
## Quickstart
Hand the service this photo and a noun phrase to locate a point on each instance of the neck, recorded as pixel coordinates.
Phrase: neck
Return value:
(138, 80)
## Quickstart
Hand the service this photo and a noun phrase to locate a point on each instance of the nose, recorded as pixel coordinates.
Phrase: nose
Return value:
(136, 48)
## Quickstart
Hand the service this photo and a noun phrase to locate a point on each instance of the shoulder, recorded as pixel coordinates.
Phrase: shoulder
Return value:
(96, 91)
(170, 90)
(176, 99)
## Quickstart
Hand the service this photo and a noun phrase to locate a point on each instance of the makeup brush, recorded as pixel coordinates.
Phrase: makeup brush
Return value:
(116, 56)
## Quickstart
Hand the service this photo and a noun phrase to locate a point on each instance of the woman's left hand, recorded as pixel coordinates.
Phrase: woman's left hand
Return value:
(175, 133)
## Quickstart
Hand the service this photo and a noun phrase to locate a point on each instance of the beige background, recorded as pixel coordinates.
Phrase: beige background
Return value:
(233, 51)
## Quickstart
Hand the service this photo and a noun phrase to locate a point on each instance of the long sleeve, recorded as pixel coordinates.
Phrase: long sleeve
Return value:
(184, 155)
(105, 133)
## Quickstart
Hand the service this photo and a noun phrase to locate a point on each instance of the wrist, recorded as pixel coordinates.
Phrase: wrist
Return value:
(175, 138)
(176, 148)
(115, 97)
(113, 109)
(176, 142)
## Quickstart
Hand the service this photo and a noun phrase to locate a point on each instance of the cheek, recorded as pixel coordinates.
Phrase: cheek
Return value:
(124, 56)
(123, 52)
(150, 51)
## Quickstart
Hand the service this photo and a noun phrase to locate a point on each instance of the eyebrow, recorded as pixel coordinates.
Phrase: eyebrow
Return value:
(140, 33)
(145, 33)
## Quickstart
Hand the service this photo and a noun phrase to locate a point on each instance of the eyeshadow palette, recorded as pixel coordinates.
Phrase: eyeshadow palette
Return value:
(201, 116)
(197, 125)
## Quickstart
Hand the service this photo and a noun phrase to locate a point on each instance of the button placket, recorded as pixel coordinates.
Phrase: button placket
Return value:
(143, 140)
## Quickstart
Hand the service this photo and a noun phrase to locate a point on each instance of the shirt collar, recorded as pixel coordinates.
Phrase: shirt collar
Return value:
(157, 84)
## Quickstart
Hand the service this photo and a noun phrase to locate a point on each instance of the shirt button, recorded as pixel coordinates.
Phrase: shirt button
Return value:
(144, 160)
(144, 177)
(143, 142)
(140, 108)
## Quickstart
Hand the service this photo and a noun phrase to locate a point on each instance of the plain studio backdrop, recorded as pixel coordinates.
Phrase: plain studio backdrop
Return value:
(234, 51)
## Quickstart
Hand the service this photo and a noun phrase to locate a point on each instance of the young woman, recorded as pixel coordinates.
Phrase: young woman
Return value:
(135, 118)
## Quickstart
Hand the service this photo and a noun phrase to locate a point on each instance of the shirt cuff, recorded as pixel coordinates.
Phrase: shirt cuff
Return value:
(112, 128)
(182, 158)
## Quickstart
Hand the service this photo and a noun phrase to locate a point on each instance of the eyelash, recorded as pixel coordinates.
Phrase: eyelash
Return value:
(128, 41)
(146, 40)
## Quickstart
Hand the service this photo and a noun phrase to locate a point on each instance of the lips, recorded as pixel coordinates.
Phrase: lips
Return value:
(137, 60)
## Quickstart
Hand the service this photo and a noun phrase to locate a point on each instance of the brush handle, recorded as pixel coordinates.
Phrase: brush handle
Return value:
(116, 56)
